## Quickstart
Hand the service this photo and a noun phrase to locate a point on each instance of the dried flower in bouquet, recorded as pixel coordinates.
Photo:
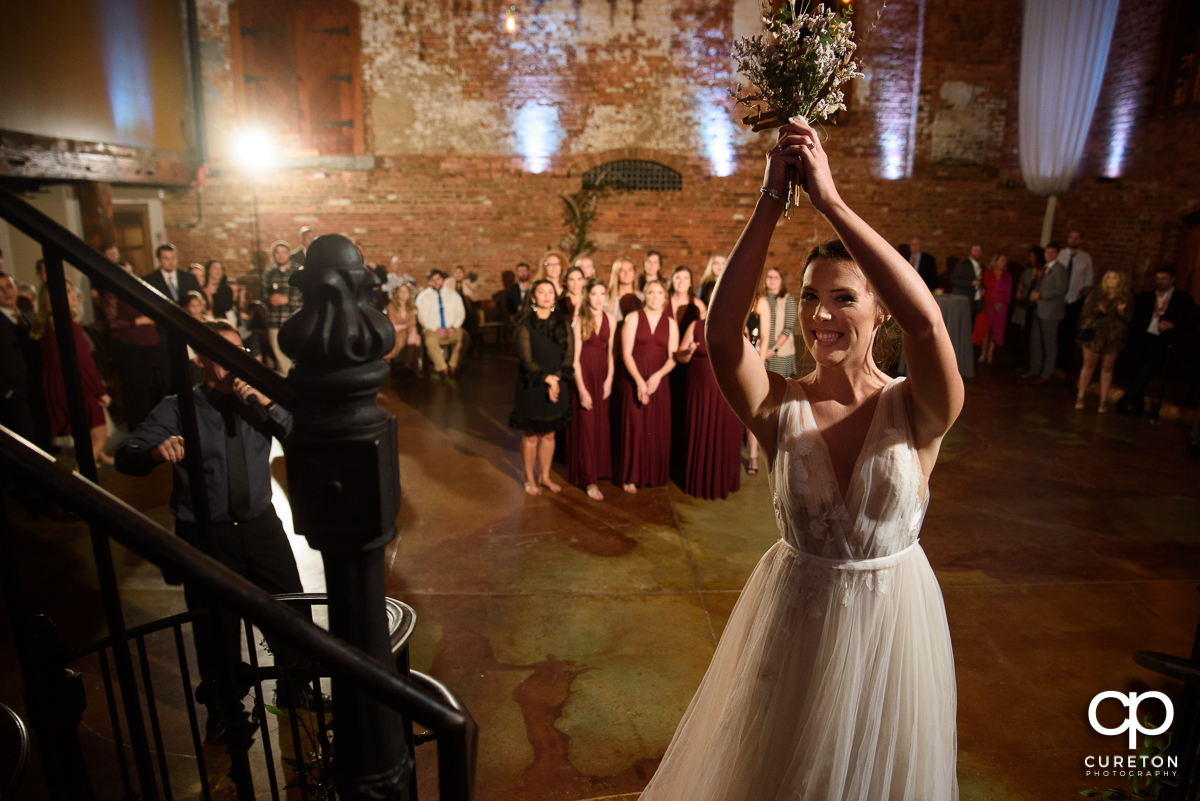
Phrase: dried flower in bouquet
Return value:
(797, 68)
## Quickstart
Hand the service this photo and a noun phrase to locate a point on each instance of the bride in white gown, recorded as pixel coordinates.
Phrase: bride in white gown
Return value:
(834, 679)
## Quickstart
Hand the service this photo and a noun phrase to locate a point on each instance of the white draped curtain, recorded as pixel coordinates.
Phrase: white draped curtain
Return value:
(1064, 47)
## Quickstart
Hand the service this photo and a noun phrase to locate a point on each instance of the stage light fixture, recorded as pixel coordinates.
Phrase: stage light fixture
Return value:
(510, 21)
(255, 150)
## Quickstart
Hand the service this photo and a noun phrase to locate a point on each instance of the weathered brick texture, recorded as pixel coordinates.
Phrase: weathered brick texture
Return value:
(644, 79)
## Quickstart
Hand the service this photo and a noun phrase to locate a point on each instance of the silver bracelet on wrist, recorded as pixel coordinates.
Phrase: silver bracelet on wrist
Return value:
(771, 193)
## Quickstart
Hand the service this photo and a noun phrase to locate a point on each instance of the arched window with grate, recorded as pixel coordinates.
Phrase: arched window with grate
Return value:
(632, 175)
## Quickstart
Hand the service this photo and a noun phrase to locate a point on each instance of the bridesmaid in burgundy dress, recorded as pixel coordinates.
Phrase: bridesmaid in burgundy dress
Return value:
(589, 443)
(95, 394)
(714, 433)
(648, 339)
(686, 308)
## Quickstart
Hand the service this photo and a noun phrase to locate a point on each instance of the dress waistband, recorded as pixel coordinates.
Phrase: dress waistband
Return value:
(877, 563)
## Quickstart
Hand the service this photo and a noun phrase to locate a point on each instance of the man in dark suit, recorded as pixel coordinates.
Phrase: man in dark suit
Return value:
(514, 298)
(923, 263)
(1161, 317)
(307, 235)
(16, 413)
(175, 284)
(967, 278)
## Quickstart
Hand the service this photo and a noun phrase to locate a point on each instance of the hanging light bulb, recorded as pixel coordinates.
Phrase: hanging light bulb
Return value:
(510, 21)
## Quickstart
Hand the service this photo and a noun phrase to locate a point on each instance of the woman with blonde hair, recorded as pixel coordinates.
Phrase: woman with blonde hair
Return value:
(1102, 333)
(991, 321)
(649, 340)
(623, 294)
(95, 394)
(716, 265)
(403, 315)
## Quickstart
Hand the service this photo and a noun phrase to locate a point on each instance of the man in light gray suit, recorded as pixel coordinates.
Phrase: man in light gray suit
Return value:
(1049, 294)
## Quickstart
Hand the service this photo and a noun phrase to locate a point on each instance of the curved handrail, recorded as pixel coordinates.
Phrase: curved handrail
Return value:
(146, 538)
(14, 781)
(140, 295)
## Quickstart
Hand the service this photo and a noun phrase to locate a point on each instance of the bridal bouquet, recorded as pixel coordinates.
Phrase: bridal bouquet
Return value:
(796, 69)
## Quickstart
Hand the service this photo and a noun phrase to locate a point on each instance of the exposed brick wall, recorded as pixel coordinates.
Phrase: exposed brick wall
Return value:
(449, 186)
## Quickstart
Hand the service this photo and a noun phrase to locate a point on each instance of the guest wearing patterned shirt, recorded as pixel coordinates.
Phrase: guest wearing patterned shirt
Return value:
(281, 299)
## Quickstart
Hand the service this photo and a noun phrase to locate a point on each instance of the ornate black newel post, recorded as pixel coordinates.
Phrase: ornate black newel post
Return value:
(344, 484)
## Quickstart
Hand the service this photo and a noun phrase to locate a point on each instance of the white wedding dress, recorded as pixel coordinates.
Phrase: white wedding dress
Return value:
(834, 679)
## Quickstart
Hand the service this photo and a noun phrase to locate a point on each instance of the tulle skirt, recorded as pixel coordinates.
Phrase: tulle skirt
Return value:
(832, 681)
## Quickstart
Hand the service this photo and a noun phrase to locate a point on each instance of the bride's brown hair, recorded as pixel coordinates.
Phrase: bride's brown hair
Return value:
(886, 347)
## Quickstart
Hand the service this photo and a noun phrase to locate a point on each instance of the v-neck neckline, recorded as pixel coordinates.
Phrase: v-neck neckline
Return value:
(653, 328)
(857, 468)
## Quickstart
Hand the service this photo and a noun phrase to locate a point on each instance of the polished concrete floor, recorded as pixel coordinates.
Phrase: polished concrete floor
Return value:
(576, 631)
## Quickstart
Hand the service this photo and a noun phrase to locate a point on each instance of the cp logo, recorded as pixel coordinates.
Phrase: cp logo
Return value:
(1131, 700)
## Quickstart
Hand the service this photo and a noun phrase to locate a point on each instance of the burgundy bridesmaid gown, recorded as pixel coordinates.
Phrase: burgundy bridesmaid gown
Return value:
(57, 408)
(646, 429)
(714, 432)
(589, 442)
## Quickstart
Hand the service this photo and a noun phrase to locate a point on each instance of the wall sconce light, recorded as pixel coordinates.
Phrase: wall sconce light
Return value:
(510, 21)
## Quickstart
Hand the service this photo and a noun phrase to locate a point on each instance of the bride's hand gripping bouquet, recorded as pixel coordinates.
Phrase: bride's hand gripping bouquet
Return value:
(796, 69)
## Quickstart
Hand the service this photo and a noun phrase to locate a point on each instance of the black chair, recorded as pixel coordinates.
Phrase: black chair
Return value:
(14, 752)
(1185, 741)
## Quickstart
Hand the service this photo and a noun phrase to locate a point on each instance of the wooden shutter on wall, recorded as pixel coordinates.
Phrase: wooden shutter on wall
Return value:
(327, 60)
(296, 69)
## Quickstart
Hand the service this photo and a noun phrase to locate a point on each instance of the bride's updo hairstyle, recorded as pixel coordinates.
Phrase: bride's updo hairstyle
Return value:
(886, 347)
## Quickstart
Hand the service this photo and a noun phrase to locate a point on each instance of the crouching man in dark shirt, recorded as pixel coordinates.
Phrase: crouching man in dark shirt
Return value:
(236, 424)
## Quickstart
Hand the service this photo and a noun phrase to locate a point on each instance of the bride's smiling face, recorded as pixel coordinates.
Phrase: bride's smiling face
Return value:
(838, 313)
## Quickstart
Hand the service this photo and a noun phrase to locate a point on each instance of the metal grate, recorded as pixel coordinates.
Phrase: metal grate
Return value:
(633, 175)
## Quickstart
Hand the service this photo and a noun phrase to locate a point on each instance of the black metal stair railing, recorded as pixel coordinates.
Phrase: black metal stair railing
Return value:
(425, 703)
(342, 466)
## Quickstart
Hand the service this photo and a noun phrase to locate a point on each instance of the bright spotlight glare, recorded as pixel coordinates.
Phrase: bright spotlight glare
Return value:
(255, 150)
(510, 23)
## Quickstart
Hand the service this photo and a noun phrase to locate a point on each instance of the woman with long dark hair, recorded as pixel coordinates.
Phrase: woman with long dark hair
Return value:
(589, 445)
(542, 401)
(649, 338)
(834, 677)
(686, 309)
(217, 292)
(572, 299)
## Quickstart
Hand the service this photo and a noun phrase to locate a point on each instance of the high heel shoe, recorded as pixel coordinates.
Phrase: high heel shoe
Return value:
(752, 467)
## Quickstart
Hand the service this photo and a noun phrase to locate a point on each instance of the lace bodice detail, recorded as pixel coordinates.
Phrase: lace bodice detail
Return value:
(885, 501)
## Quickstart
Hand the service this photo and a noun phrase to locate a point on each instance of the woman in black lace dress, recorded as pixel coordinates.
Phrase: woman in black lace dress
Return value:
(542, 403)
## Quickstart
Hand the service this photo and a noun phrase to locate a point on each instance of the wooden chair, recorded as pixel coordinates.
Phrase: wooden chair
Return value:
(490, 323)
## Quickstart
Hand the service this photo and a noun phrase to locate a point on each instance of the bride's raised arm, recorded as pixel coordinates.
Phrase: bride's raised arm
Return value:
(753, 393)
(934, 383)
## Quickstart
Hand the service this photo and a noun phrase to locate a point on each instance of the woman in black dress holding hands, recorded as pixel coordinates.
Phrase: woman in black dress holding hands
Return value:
(542, 403)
